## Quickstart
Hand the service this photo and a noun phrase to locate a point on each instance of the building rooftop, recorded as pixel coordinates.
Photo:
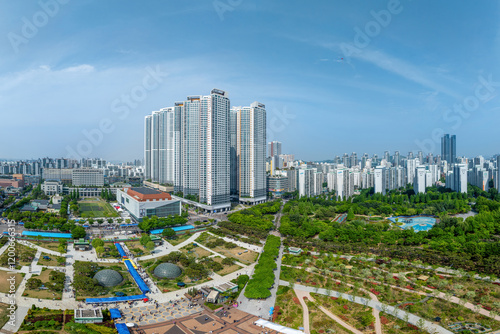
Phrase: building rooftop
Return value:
(146, 191)
(225, 287)
(143, 194)
(92, 313)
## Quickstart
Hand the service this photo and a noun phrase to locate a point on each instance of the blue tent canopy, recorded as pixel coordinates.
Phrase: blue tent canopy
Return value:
(138, 279)
(115, 313)
(122, 329)
(120, 250)
(114, 299)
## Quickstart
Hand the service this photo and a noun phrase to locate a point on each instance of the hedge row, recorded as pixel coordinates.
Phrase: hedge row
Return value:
(263, 276)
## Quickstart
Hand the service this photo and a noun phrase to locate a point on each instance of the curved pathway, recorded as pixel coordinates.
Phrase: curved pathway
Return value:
(305, 314)
(412, 319)
(328, 313)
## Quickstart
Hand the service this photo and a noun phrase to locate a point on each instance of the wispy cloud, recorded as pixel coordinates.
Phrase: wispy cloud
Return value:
(84, 68)
(403, 69)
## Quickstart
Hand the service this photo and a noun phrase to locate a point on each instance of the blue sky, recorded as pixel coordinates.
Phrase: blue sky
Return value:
(333, 78)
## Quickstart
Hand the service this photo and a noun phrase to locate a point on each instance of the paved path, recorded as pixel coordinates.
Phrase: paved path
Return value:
(261, 308)
(412, 319)
(333, 316)
(305, 313)
(241, 244)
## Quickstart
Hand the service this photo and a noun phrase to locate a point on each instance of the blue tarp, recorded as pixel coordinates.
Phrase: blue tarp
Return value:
(138, 279)
(120, 250)
(114, 299)
(115, 313)
(128, 225)
(122, 329)
(47, 234)
(176, 229)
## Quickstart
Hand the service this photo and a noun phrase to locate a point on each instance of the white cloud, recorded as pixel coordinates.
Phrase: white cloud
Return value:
(84, 68)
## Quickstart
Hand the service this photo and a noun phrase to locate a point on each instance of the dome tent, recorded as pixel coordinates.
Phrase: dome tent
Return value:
(167, 270)
(108, 278)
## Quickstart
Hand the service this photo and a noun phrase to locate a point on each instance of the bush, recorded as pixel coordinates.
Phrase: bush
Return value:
(263, 277)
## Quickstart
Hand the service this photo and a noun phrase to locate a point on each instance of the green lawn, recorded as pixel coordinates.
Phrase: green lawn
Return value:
(96, 209)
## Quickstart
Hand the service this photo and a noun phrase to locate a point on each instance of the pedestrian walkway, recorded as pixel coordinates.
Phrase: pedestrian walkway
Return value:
(300, 294)
(412, 319)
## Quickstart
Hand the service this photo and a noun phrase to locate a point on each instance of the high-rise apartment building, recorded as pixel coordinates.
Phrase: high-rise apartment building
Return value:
(188, 145)
(449, 148)
(249, 144)
(159, 146)
(456, 179)
(274, 148)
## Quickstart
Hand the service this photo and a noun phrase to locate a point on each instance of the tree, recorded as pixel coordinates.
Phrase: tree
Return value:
(97, 243)
(99, 249)
(168, 233)
(78, 232)
(150, 245)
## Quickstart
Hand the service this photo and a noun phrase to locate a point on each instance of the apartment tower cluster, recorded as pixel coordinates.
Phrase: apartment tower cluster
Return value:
(208, 150)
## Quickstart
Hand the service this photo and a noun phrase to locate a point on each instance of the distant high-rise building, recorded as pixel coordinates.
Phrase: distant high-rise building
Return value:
(387, 156)
(420, 157)
(274, 148)
(397, 158)
(456, 179)
(379, 180)
(449, 148)
(419, 183)
(346, 161)
(354, 159)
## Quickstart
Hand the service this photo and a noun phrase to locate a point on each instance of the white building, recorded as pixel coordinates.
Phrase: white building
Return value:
(379, 181)
(87, 177)
(141, 202)
(419, 181)
(249, 144)
(52, 187)
(456, 179)
(306, 182)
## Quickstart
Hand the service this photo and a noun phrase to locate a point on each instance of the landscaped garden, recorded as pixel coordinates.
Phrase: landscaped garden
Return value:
(5, 284)
(24, 256)
(86, 286)
(51, 260)
(48, 285)
(192, 271)
(228, 249)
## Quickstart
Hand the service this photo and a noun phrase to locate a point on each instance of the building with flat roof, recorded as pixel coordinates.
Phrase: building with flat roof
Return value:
(141, 202)
(87, 177)
(88, 316)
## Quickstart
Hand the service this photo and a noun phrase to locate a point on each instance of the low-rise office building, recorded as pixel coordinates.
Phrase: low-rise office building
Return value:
(143, 202)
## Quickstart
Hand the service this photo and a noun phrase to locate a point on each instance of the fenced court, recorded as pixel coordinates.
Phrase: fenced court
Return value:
(96, 209)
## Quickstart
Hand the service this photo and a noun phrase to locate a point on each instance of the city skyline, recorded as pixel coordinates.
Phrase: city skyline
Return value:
(325, 76)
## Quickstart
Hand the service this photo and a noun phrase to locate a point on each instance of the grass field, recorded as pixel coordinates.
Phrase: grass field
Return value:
(3, 314)
(55, 261)
(43, 294)
(4, 284)
(96, 209)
